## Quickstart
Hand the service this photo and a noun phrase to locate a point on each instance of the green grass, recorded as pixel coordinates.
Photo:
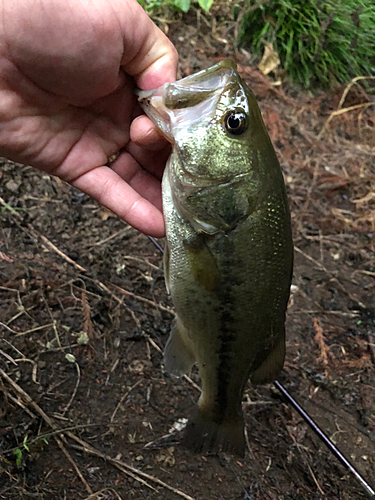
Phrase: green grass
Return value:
(183, 5)
(319, 42)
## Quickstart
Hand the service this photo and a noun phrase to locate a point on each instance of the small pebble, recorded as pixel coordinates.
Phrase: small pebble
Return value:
(12, 185)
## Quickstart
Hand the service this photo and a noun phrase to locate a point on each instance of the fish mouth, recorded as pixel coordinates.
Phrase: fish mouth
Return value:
(186, 100)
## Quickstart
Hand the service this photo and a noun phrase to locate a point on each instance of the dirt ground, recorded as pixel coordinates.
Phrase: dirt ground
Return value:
(85, 403)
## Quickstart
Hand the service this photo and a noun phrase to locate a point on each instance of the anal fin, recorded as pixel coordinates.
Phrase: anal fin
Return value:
(272, 365)
(178, 352)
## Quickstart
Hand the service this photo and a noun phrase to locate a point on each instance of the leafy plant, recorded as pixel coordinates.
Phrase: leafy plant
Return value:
(323, 41)
(183, 5)
(18, 452)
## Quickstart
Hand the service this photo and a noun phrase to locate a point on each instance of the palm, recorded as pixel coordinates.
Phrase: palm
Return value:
(68, 111)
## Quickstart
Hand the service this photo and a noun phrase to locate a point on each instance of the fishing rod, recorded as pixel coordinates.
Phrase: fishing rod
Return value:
(312, 424)
(318, 431)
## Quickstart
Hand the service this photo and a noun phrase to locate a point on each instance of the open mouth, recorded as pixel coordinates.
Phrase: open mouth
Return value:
(175, 105)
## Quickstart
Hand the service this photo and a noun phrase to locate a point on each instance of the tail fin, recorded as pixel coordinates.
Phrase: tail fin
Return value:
(204, 434)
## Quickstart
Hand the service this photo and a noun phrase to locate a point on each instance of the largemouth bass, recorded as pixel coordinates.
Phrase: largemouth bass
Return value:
(229, 252)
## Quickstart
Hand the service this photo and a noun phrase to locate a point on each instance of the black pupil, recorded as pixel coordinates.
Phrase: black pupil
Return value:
(234, 122)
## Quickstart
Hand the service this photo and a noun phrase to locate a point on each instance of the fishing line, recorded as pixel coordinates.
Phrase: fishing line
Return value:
(312, 424)
(156, 244)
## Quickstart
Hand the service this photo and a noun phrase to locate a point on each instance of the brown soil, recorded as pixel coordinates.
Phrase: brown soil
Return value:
(70, 272)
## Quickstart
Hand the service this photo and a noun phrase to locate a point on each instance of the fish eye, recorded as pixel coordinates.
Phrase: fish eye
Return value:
(235, 122)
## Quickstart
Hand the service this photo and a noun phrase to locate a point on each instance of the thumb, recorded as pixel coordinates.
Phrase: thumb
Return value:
(149, 56)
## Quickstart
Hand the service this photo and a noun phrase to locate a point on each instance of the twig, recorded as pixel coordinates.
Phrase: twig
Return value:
(251, 453)
(119, 465)
(123, 399)
(321, 311)
(9, 358)
(34, 370)
(53, 321)
(18, 334)
(192, 383)
(21, 405)
(340, 112)
(47, 435)
(350, 85)
(75, 389)
(362, 271)
(7, 289)
(125, 467)
(143, 261)
(115, 235)
(87, 326)
(75, 466)
(35, 235)
(307, 256)
(22, 358)
(14, 348)
(59, 252)
(185, 377)
(95, 496)
(141, 299)
(128, 469)
(135, 319)
(305, 459)
(154, 344)
(22, 311)
(50, 422)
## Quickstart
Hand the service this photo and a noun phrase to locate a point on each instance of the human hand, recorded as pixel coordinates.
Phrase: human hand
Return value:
(67, 76)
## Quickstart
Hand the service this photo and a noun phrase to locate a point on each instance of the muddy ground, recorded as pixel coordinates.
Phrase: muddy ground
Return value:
(84, 316)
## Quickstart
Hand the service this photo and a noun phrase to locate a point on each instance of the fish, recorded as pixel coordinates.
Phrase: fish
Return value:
(229, 253)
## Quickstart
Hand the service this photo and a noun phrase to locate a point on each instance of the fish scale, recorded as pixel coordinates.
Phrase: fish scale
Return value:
(229, 252)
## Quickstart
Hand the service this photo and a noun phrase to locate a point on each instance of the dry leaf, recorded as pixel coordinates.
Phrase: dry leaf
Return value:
(270, 60)
(104, 214)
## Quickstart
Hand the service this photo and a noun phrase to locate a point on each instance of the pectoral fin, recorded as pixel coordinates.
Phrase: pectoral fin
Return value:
(272, 365)
(178, 353)
(219, 208)
(202, 264)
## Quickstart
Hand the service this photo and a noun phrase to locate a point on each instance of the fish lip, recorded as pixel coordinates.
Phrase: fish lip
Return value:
(192, 83)
(152, 103)
(226, 65)
(205, 82)
(163, 103)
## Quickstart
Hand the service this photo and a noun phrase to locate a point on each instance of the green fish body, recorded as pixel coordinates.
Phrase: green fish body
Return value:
(229, 252)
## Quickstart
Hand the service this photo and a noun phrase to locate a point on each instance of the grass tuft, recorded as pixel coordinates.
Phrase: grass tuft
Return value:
(320, 42)
(182, 5)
